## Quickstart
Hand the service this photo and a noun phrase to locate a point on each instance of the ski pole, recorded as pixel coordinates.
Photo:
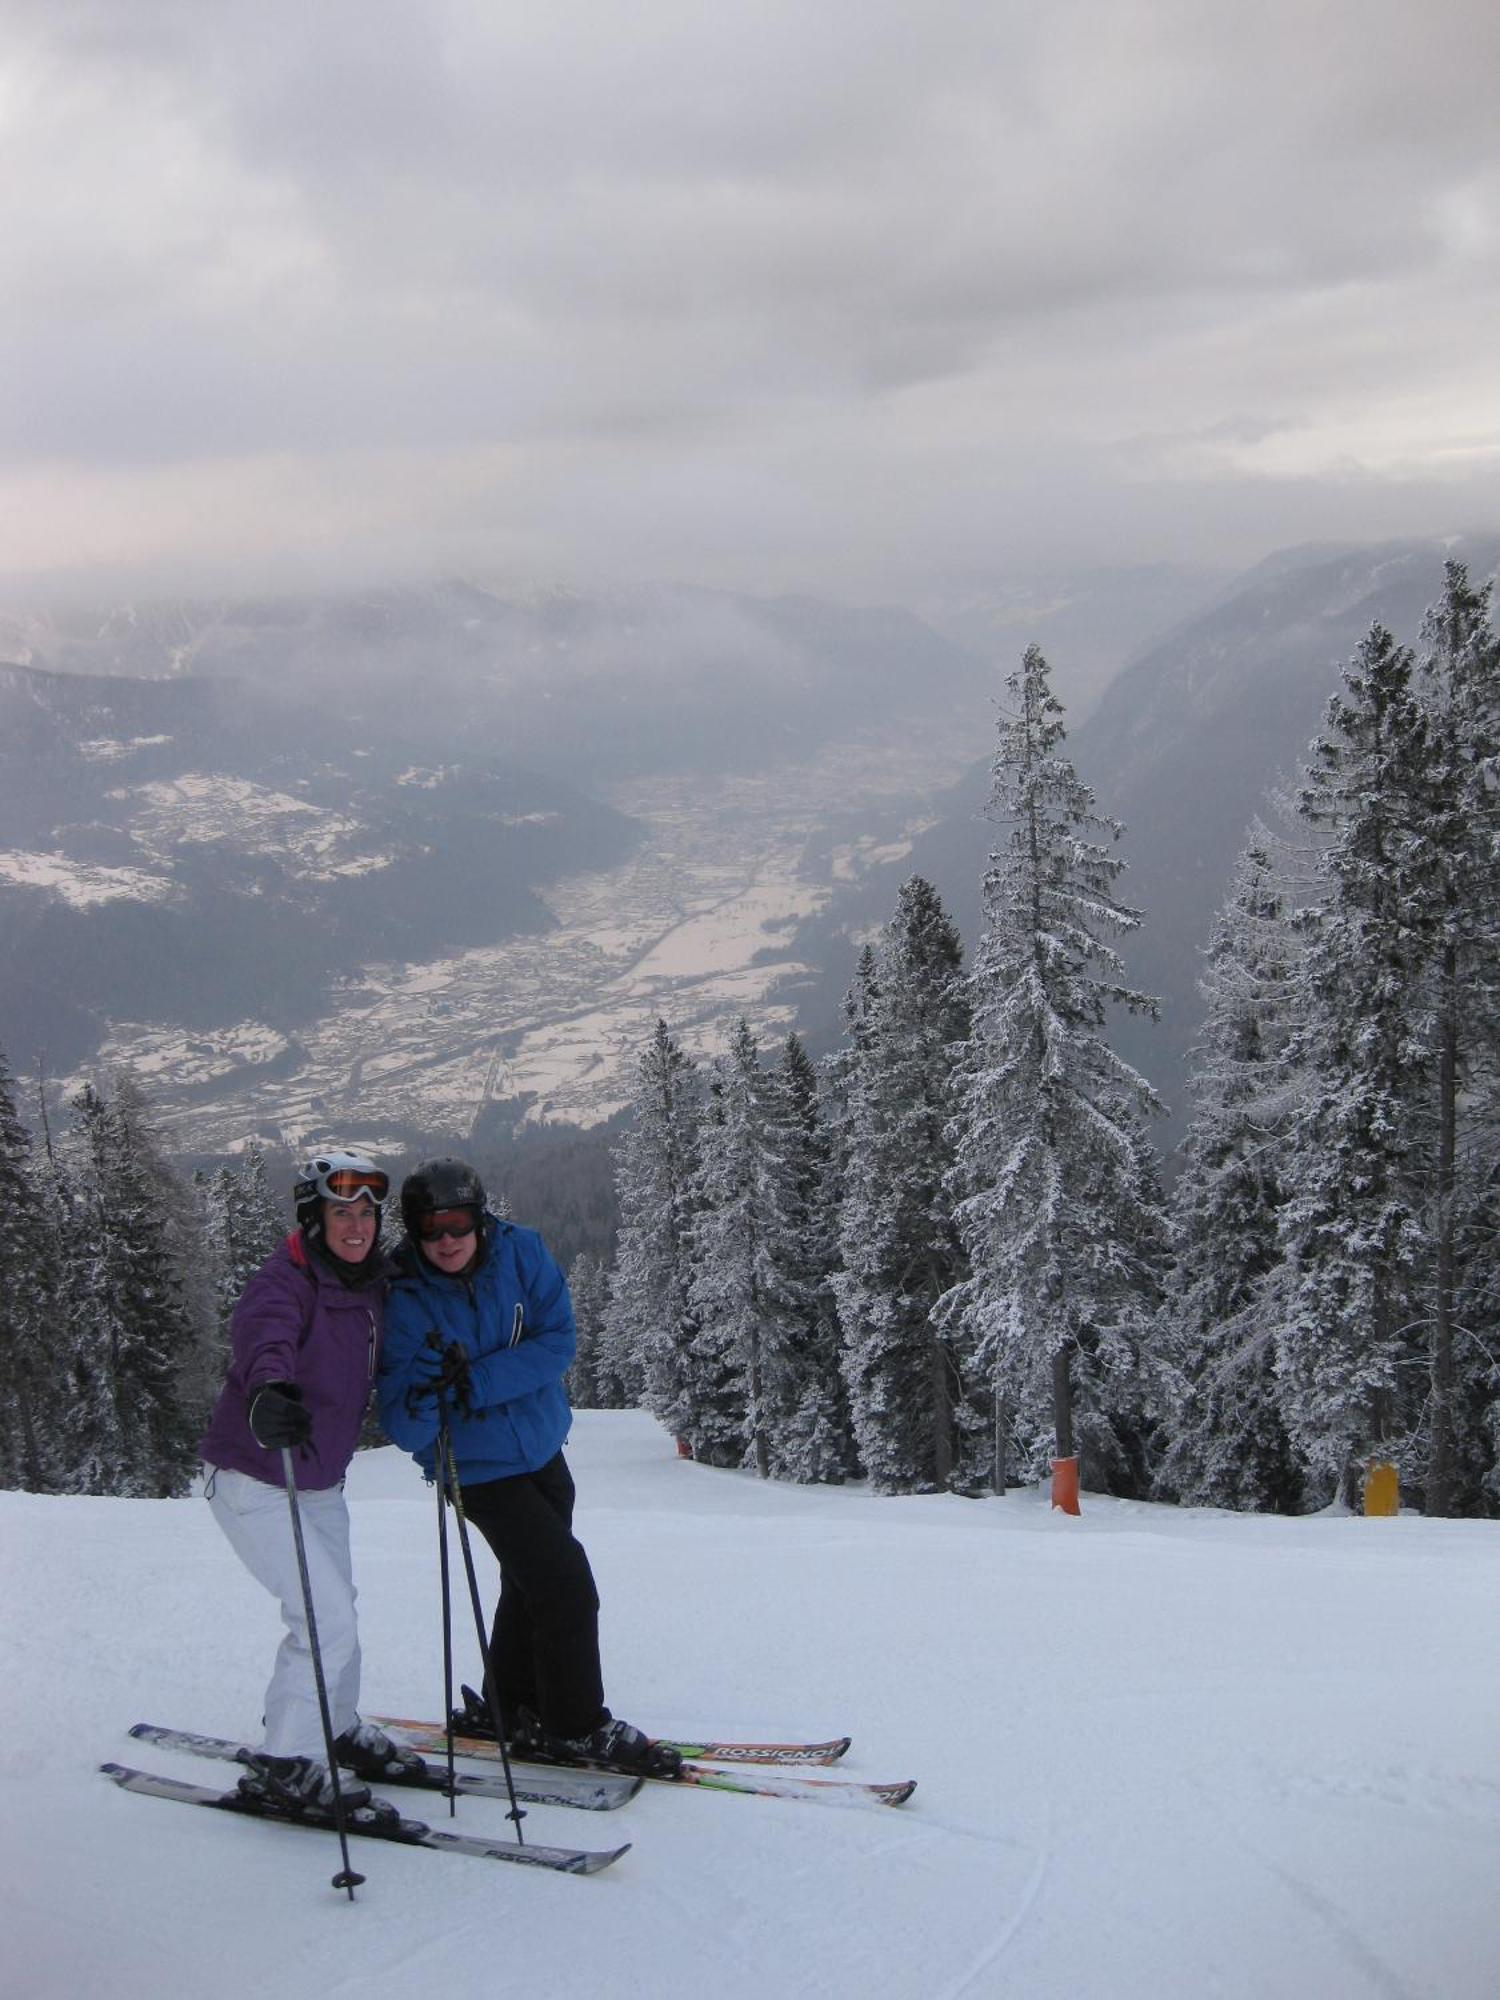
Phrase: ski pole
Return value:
(447, 1708)
(450, 1473)
(435, 1343)
(347, 1878)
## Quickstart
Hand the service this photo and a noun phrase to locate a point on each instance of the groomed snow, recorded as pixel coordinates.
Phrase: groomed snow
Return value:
(1161, 1753)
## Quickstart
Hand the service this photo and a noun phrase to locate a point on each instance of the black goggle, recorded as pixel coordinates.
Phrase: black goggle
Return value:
(450, 1222)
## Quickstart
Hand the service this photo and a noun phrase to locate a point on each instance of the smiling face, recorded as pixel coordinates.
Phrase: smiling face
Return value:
(349, 1229)
(448, 1238)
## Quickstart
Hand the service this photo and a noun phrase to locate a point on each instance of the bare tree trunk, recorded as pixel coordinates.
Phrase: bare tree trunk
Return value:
(34, 1477)
(942, 1416)
(1062, 1400)
(757, 1412)
(1440, 1467)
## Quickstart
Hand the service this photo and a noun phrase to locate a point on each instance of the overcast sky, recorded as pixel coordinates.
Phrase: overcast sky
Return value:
(870, 297)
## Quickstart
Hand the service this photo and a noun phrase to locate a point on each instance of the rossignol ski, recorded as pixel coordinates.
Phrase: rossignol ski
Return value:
(601, 1791)
(377, 1821)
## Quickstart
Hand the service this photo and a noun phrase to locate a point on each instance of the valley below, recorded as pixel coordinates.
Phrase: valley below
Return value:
(697, 925)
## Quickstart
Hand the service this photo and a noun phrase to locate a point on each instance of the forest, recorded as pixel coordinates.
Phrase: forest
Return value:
(944, 1256)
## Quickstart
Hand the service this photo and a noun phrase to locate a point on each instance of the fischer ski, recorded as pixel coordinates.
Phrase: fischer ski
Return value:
(760, 1783)
(473, 1720)
(377, 1821)
(602, 1791)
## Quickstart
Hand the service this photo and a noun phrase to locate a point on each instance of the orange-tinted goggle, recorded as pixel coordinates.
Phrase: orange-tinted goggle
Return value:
(351, 1184)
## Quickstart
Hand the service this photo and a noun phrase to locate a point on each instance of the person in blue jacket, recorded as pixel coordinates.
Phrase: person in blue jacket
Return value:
(478, 1310)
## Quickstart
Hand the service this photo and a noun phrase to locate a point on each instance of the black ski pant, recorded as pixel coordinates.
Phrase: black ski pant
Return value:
(544, 1647)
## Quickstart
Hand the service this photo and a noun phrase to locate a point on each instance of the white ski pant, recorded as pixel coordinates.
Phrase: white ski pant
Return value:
(258, 1522)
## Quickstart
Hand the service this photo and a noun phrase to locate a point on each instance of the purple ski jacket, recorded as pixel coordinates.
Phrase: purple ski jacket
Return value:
(296, 1321)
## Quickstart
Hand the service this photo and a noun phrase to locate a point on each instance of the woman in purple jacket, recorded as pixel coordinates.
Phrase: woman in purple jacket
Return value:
(305, 1338)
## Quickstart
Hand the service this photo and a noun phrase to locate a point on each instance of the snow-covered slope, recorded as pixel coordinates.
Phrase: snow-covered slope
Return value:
(1162, 1754)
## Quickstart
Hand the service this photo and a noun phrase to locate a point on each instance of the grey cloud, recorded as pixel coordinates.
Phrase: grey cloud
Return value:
(744, 255)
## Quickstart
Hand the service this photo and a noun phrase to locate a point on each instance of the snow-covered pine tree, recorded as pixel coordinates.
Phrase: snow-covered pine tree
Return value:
(1478, 1262)
(805, 1406)
(133, 1334)
(191, 1277)
(746, 1298)
(33, 1351)
(1351, 1225)
(1229, 1445)
(900, 1252)
(1459, 686)
(256, 1222)
(592, 1382)
(1057, 1201)
(650, 1322)
(89, 1443)
(714, 1392)
(842, 1065)
(241, 1223)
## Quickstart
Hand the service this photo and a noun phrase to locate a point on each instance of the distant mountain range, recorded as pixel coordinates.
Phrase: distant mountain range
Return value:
(224, 825)
(588, 689)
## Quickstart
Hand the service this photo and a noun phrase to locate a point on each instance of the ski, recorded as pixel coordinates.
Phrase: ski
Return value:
(588, 1791)
(762, 1753)
(758, 1783)
(828, 1752)
(377, 1821)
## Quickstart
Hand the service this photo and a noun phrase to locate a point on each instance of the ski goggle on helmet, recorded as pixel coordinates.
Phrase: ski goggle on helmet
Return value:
(339, 1176)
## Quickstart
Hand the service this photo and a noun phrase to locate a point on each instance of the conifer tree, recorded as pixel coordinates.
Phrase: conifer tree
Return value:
(33, 1326)
(1230, 1446)
(1477, 1425)
(92, 1442)
(134, 1335)
(900, 1252)
(1351, 1225)
(241, 1224)
(1460, 692)
(715, 1388)
(1057, 1202)
(746, 1301)
(650, 1319)
(805, 1404)
(592, 1381)
(842, 1089)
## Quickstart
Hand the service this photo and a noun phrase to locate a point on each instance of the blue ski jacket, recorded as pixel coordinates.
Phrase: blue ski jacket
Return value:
(514, 1320)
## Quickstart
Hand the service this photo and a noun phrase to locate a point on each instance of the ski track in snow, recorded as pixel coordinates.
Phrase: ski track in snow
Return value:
(1344, 1933)
(1376, 1975)
(970, 1981)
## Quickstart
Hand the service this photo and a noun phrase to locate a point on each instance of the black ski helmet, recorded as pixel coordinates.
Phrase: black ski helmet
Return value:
(337, 1175)
(435, 1184)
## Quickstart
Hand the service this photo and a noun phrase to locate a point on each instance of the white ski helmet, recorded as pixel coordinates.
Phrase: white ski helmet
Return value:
(336, 1175)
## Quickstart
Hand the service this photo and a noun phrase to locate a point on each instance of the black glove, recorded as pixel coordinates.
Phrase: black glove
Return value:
(279, 1419)
(441, 1370)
